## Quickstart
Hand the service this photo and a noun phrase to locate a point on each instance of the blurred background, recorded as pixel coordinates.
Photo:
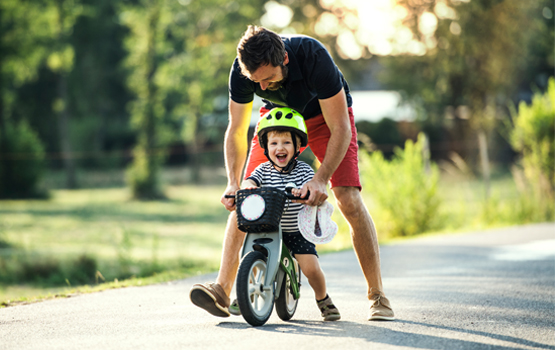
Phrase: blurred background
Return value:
(113, 112)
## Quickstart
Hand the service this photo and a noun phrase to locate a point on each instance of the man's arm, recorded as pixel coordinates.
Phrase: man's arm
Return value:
(235, 148)
(334, 110)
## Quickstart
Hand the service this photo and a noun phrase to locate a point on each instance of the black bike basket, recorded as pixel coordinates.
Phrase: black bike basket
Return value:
(274, 201)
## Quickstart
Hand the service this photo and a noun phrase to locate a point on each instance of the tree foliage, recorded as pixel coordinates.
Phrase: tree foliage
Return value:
(474, 59)
(95, 77)
(25, 29)
(180, 53)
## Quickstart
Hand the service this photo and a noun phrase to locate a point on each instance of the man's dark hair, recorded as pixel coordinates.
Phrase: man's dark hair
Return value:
(259, 47)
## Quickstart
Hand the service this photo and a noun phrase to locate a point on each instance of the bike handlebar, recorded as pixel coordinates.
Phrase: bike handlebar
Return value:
(288, 194)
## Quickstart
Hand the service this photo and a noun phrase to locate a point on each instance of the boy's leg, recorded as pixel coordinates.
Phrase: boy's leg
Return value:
(311, 269)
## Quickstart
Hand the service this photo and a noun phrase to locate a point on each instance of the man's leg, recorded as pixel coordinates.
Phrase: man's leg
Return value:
(214, 297)
(233, 241)
(365, 243)
(363, 234)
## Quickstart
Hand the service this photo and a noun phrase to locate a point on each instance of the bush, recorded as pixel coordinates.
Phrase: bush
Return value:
(403, 188)
(22, 162)
(533, 137)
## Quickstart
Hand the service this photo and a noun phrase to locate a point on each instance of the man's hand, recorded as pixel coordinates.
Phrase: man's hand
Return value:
(318, 192)
(229, 203)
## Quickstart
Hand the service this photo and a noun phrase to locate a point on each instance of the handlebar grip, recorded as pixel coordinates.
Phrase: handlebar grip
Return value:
(289, 195)
(229, 196)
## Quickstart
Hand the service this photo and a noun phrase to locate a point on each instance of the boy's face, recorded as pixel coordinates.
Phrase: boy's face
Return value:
(280, 148)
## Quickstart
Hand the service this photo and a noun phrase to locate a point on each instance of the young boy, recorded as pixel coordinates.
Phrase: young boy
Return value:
(281, 133)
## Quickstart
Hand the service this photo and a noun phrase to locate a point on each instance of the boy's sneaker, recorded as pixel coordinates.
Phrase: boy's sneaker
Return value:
(328, 310)
(380, 308)
(234, 308)
(210, 297)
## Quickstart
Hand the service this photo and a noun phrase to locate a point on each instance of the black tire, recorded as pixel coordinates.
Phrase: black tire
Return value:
(286, 304)
(256, 305)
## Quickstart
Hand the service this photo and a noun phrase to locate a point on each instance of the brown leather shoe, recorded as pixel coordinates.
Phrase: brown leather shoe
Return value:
(210, 297)
(380, 308)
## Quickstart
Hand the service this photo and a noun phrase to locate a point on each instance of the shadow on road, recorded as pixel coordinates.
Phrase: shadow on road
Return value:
(504, 338)
(379, 333)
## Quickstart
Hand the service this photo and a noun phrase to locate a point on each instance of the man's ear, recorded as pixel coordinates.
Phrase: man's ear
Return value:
(286, 59)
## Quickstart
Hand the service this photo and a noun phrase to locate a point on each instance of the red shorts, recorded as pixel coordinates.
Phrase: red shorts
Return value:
(318, 137)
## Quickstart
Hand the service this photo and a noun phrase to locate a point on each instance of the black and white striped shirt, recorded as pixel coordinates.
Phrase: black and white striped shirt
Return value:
(266, 175)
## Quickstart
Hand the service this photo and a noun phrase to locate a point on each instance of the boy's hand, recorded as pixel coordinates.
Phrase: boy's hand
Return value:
(248, 184)
(296, 192)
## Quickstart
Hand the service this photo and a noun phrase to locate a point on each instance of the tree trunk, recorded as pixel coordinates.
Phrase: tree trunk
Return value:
(64, 134)
(147, 156)
(484, 160)
(2, 117)
(63, 112)
(195, 154)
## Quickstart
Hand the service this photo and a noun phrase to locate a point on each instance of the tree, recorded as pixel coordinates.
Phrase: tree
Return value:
(146, 36)
(179, 66)
(24, 29)
(475, 57)
(203, 39)
(61, 61)
(98, 92)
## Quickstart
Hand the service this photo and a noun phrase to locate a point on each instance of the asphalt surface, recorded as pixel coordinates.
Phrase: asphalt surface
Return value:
(483, 290)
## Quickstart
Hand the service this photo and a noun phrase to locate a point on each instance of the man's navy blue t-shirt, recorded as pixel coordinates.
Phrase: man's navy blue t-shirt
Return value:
(312, 76)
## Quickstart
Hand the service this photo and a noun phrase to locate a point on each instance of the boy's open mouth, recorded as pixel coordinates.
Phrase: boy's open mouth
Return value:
(281, 157)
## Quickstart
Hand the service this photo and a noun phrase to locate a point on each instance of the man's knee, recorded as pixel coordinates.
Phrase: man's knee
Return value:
(232, 231)
(349, 201)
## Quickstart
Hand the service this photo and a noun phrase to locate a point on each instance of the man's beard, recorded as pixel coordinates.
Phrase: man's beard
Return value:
(276, 85)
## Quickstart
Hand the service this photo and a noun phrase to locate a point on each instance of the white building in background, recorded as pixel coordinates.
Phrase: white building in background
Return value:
(370, 105)
(373, 106)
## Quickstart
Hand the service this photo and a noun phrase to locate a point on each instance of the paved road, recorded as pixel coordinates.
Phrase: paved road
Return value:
(484, 290)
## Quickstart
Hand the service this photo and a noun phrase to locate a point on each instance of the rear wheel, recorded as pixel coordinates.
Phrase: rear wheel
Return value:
(255, 302)
(286, 304)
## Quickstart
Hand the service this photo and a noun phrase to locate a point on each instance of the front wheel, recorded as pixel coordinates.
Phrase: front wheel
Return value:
(255, 301)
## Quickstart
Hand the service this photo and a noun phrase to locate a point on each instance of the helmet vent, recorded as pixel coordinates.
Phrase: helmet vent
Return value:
(279, 115)
(269, 117)
(289, 116)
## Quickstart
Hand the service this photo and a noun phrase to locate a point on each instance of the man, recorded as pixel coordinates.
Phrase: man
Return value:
(296, 72)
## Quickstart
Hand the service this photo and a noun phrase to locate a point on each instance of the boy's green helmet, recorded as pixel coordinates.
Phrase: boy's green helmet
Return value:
(282, 119)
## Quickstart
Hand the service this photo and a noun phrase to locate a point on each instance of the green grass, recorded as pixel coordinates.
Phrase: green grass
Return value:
(126, 238)
(117, 242)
